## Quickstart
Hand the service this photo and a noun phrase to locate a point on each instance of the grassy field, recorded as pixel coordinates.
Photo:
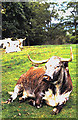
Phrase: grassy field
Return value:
(15, 64)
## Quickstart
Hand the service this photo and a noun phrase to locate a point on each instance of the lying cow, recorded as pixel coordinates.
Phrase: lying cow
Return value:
(12, 46)
(51, 83)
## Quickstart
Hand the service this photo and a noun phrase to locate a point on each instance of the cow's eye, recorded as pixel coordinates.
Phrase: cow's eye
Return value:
(57, 65)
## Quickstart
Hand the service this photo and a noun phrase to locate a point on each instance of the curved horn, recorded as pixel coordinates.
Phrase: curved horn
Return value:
(68, 59)
(37, 62)
(24, 38)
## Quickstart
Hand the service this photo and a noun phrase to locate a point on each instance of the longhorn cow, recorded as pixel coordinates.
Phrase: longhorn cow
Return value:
(50, 83)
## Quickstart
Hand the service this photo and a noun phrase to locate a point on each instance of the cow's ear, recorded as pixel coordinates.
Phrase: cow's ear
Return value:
(65, 64)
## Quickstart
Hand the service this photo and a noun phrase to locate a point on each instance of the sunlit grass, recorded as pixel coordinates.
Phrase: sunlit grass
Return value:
(15, 64)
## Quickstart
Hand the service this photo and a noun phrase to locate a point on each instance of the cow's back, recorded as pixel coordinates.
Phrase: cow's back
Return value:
(32, 78)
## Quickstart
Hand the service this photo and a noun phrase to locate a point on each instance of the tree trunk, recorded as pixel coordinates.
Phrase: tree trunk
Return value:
(28, 42)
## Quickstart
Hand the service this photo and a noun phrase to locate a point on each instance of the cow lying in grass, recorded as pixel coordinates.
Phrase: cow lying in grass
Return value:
(12, 46)
(51, 83)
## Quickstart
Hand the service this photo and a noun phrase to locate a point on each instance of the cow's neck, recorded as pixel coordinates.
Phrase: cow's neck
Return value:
(60, 85)
(61, 77)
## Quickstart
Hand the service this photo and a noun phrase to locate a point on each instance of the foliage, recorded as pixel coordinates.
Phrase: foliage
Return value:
(33, 20)
(15, 22)
(15, 64)
(71, 22)
(25, 19)
(73, 38)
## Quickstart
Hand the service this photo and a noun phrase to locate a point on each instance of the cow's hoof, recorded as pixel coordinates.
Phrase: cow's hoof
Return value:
(39, 106)
(22, 100)
(9, 101)
(55, 111)
(32, 102)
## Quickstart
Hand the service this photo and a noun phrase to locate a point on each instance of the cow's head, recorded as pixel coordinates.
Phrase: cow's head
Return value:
(53, 66)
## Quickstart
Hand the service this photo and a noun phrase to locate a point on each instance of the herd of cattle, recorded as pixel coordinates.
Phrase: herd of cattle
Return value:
(50, 84)
(12, 46)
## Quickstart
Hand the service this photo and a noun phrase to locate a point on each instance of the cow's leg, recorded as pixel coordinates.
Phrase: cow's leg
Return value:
(38, 103)
(61, 102)
(39, 100)
(57, 109)
(32, 102)
(23, 98)
(15, 93)
(60, 105)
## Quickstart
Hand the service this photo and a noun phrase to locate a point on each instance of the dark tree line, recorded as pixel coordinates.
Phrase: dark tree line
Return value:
(33, 20)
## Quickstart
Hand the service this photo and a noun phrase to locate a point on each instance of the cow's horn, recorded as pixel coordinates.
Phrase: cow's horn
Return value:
(37, 62)
(68, 59)
(24, 38)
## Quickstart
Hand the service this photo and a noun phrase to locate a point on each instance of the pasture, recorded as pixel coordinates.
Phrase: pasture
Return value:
(15, 64)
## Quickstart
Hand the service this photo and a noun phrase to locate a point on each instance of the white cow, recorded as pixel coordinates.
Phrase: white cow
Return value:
(4, 42)
(12, 46)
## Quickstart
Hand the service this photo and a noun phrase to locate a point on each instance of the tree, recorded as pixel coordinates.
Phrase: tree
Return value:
(40, 16)
(36, 22)
(25, 20)
(71, 22)
(16, 19)
(55, 28)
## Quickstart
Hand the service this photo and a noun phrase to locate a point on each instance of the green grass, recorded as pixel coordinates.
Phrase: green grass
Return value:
(15, 64)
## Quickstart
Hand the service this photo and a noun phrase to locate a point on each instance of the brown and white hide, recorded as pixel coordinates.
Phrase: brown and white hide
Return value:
(32, 85)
